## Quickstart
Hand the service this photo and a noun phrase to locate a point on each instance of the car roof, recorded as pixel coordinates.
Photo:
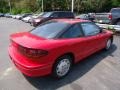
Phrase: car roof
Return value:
(60, 11)
(71, 21)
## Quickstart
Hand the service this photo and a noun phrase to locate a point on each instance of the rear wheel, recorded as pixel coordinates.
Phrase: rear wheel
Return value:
(62, 66)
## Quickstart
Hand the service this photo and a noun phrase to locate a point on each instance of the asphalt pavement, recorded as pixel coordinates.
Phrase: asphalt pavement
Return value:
(101, 71)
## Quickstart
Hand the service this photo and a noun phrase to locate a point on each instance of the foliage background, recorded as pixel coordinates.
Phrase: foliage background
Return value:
(80, 6)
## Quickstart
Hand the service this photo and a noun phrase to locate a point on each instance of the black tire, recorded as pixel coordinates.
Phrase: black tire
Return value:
(30, 23)
(58, 61)
(108, 44)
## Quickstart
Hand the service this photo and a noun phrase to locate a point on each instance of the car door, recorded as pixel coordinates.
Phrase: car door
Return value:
(76, 41)
(94, 38)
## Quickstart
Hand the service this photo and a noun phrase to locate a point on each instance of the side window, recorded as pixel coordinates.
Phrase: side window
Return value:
(74, 32)
(62, 15)
(66, 15)
(54, 15)
(69, 15)
(90, 29)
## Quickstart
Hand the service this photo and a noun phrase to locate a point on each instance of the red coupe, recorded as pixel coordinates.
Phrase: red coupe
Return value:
(54, 46)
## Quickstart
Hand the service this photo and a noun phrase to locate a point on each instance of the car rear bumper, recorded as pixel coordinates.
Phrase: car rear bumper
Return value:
(29, 70)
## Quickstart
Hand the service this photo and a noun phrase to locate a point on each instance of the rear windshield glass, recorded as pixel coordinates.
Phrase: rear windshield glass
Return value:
(115, 10)
(49, 29)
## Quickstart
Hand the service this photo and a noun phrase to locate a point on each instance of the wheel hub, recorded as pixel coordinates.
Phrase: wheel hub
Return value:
(108, 44)
(63, 67)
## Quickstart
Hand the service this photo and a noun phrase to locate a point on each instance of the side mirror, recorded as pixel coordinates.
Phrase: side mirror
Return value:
(101, 29)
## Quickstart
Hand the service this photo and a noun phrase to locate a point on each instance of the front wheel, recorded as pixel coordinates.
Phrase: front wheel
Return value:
(62, 66)
(108, 44)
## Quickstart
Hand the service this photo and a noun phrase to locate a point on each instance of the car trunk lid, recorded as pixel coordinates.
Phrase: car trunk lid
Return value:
(26, 39)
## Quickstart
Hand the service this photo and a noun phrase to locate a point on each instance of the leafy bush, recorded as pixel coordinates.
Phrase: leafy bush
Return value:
(16, 11)
(26, 11)
(83, 6)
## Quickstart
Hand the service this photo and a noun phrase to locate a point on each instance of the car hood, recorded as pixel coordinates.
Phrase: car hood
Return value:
(26, 18)
(34, 16)
(28, 40)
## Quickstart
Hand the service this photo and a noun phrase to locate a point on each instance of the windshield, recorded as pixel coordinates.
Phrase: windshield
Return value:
(49, 29)
(47, 14)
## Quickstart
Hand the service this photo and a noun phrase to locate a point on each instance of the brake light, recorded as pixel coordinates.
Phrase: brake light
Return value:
(32, 53)
(110, 16)
(37, 20)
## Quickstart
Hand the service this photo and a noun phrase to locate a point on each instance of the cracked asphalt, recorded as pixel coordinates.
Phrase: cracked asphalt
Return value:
(101, 71)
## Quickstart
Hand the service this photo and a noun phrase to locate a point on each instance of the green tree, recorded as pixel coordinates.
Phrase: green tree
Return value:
(4, 6)
(80, 6)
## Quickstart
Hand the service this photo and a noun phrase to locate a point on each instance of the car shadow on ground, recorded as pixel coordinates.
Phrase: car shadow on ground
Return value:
(78, 70)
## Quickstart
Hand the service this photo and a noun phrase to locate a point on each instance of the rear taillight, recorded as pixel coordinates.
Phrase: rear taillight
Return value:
(32, 53)
(110, 16)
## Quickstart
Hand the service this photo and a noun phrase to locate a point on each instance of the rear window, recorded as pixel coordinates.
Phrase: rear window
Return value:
(117, 10)
(49, 30)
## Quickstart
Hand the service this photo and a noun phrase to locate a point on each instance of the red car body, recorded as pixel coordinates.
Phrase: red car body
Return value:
(79, 48)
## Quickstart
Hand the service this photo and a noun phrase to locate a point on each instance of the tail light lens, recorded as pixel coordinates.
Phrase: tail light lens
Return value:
(29, 52)
(110, 16)
(32, 53)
